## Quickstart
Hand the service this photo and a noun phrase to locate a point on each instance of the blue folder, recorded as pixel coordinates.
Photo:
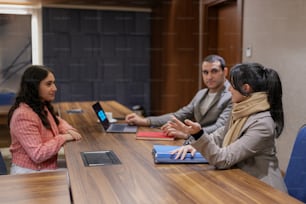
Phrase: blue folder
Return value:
(161, 155)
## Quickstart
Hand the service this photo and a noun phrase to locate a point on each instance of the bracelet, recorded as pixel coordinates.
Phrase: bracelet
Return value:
(198, 135)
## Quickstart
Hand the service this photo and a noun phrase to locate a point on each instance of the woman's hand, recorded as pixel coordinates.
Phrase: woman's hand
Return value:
(182, 151)
(72, 135)
(188, 127)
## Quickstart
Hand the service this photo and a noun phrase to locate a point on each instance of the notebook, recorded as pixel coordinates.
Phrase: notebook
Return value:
(112, 127)
(150, 135)
(161, 155)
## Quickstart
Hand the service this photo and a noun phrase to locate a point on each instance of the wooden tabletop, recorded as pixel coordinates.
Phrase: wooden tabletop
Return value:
(138, 180)
(3, 114)
(46, 188)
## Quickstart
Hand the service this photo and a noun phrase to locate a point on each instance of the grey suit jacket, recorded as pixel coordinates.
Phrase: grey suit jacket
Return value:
(254, 151)
(215, 117)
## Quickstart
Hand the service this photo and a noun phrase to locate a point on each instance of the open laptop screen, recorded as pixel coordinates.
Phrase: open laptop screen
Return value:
(101, 115)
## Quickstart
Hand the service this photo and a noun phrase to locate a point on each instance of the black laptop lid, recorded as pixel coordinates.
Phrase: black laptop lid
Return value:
(101, 115)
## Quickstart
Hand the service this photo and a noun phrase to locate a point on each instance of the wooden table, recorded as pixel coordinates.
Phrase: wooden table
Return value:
(5, 139)
(46, 188)
(3, 114)
(139, 180)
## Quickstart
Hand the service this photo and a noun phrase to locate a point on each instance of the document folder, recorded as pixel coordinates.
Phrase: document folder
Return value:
(148, 135)
(161, 155)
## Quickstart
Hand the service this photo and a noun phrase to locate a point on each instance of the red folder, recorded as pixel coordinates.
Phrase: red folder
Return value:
(149, 135)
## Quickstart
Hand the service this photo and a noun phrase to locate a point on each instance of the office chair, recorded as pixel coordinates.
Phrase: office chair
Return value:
(7, 98)
(295, 177)
(3, 169)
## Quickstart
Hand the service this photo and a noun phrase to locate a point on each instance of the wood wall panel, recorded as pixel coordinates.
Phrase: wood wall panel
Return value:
(222, 23)
(175, 68)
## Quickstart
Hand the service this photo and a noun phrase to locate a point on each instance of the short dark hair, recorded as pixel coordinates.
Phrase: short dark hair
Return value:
(215, 58)
(261, 79)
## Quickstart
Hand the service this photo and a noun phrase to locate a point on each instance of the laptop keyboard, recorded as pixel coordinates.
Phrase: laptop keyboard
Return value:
(117, 127)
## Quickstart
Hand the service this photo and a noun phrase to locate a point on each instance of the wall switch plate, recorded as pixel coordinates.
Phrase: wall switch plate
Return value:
(248, 52)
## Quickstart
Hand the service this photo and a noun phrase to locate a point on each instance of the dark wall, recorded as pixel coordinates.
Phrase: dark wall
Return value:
(98, 55)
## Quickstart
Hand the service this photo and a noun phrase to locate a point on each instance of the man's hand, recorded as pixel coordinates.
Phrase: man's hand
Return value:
(169, 130)
(188, 127)
(134, 119)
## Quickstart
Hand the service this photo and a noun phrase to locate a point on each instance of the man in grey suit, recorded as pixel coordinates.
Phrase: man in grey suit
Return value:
(210, 106)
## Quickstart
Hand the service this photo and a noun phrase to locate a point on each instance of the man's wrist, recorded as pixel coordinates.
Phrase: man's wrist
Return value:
(148, 122)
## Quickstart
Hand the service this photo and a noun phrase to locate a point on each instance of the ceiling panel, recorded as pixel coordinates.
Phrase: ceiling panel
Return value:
(129, 3)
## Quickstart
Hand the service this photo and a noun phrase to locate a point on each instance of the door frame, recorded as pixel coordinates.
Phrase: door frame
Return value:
(207, 39)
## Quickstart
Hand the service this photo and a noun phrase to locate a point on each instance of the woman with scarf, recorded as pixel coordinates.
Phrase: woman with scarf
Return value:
(248, 141)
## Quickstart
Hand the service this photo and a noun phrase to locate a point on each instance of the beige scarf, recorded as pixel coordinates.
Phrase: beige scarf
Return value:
(257, 102)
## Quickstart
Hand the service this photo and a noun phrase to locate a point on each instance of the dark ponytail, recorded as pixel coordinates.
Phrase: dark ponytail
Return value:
(274, 90)
(261, 79)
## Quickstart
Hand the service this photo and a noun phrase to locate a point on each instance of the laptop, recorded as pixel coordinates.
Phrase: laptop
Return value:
(112, 127)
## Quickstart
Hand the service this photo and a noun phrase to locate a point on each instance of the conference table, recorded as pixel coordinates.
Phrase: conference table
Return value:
(37, 188)
(138, 180)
